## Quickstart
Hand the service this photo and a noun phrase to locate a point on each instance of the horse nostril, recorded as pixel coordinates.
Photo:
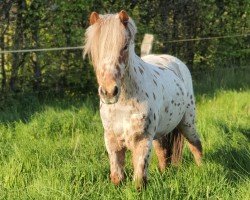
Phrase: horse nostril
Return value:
(103, 91)
(115, 92)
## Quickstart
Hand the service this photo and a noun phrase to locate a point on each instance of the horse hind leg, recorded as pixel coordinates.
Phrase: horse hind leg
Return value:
(162, 151)
(168, 149)
(188, 130)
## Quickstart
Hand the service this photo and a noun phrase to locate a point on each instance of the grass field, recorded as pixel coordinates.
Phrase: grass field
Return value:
(54, 149)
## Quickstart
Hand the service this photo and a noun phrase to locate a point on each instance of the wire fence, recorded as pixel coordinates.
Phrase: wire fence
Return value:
(81, 47)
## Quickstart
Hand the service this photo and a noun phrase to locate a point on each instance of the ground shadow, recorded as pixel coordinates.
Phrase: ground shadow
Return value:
(21, 107)
(245, 132)
(234, 158)
(228, 131)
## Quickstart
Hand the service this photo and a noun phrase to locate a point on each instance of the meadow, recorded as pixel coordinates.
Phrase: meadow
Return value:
(53, 148)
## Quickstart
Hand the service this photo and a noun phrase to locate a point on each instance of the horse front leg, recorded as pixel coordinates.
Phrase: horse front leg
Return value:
(116, 152)
(141, 153)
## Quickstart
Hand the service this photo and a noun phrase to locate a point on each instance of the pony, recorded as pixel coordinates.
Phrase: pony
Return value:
(144, 102)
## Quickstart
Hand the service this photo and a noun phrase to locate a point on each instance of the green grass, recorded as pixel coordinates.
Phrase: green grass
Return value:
(55, 150)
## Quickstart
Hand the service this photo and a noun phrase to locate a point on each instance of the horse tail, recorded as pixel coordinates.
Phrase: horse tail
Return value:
(175, 146)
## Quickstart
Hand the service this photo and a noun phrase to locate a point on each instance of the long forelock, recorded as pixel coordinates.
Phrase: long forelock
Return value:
(105, 39)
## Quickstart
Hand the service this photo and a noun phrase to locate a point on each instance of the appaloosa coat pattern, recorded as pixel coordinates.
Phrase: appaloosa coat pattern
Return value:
(142, 100)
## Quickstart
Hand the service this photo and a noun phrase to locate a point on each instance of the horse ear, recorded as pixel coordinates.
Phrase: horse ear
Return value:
(93, 18)
(124, 17)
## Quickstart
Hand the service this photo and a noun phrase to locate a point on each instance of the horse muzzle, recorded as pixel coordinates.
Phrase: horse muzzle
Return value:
(109, 97)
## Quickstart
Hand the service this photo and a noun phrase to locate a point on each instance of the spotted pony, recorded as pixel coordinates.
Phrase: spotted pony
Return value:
(144, 102)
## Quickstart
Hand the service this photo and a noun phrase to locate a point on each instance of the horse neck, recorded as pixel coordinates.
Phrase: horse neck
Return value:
(132, 83)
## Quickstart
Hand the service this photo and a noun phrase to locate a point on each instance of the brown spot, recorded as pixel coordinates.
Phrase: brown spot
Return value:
(154, 116)
(135, 70)
(191, 96)
(149, 121)
(157, 63)
(178, 104)
(164, 58)
(155, 128)
(171, 114)
(147, 94)
(177, 94)
(141, 70)
(154, 82)
(192, 102)
(166, 109)
(154, 96)
(157, 72)
(172, 101)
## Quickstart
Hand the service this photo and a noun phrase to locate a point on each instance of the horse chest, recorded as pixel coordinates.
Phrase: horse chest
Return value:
(122, 120)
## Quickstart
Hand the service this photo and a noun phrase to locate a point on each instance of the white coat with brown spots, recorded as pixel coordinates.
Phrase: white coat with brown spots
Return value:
(142, 99)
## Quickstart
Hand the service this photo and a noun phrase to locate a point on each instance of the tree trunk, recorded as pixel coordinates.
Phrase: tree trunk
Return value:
(3, 82)
(191, 25)
(36, 71)
(5, 8)
(66, 57)
(35, 58)
(164, 17)
(18, 43)
(175, 30)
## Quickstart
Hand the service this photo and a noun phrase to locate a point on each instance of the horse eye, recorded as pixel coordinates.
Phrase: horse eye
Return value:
(125, 47)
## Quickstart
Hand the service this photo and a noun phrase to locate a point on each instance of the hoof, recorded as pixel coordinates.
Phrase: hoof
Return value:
(141, 184)
(115, 179)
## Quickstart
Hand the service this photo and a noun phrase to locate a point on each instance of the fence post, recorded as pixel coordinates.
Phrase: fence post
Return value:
(147, 44)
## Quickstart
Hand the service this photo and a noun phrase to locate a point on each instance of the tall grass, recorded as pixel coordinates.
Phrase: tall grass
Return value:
(54, 149)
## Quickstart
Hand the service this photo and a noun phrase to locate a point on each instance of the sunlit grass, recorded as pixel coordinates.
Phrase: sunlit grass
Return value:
(55, 150)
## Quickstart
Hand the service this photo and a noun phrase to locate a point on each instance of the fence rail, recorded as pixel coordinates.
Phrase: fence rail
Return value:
(81, 47)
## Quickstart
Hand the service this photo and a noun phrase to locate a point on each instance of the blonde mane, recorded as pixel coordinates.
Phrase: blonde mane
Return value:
(105, 39)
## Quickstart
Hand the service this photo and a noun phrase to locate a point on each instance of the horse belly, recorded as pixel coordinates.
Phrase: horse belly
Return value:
(167, 124)
(176, 108)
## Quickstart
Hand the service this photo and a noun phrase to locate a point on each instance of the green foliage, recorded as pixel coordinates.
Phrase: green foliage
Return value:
(45, 24)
